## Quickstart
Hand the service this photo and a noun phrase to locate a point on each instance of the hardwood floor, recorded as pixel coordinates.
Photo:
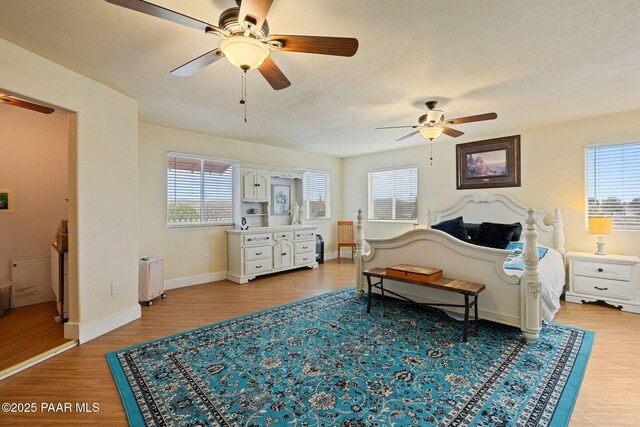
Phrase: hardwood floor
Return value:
(610, 394)
(26, 332)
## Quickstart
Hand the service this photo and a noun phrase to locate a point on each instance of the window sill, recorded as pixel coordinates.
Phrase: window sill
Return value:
(395, 221)
(179, 227)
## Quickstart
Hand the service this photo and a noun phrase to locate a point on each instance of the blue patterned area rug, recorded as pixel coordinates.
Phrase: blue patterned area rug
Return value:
(324, 362)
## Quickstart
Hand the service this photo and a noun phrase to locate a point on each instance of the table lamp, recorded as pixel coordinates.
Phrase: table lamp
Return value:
(600, 226)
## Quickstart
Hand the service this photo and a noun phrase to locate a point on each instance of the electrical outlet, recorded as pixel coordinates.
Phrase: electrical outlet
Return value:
(207, 257)
(115, 288)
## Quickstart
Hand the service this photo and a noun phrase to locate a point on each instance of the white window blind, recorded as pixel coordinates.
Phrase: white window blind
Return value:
(200, 190)
(315, 194)
(393, 194)
(613, 184)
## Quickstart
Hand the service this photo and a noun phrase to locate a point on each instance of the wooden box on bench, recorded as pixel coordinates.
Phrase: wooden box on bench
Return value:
(413, 272)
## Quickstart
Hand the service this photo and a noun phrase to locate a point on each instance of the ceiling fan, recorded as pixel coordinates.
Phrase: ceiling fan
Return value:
(11, 100)
(433, 124)
(246, 41)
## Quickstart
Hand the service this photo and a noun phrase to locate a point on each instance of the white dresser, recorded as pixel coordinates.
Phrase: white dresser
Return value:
(609, 278)
(265, 250)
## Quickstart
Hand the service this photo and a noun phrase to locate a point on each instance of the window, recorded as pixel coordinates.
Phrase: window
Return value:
(613, 184)
(393, 194)
(315, 195)
(200, 190)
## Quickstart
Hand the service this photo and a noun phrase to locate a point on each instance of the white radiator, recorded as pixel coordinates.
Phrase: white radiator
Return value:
(31, 277)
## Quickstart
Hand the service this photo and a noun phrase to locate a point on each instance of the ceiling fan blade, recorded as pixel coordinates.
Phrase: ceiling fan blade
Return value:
(408, 135)
(398, 127)
(256, 11)
(338, 46)
(477, 118)
(454, 133)
(25, 104)
(167, 14)
(273, 74)
(197, 64)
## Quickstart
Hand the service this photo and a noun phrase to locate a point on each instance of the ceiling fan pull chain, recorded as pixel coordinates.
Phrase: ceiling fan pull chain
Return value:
(431, 152)
(243, 100)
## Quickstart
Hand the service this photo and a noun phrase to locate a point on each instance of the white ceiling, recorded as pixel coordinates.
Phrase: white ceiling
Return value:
(532, 62)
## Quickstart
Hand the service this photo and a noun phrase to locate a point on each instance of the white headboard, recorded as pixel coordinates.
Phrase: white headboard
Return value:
(500, 208)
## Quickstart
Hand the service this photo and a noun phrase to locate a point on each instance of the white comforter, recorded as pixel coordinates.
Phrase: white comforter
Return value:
(552, 276)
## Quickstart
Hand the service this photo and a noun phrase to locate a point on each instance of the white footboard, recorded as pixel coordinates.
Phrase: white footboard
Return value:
(507, 299)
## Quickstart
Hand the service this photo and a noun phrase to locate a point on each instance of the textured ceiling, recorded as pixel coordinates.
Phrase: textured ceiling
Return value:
(534, 63)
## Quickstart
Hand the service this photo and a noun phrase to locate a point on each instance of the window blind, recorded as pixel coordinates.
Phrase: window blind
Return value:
(613, 184)
(315, 194)
(200, 190)
(393, 194)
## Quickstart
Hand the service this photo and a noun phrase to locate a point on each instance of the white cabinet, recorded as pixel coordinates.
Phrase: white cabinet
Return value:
(608, 278)
(255, 185)
(264, 250)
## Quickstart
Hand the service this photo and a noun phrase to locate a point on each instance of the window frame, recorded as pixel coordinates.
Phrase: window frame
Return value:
(327, 183)
(370, 193)
(601, 145)
(235, 189)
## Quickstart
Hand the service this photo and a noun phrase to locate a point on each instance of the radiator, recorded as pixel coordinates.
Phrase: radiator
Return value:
(31, 277)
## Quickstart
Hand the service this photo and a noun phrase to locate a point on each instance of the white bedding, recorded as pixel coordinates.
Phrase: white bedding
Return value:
(552, 274)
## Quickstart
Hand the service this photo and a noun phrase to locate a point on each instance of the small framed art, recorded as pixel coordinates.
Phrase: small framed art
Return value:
(488, 164)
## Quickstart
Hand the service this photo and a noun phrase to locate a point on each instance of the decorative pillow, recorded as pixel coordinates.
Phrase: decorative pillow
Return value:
(472, 228)
(454, 227)
(493, 235)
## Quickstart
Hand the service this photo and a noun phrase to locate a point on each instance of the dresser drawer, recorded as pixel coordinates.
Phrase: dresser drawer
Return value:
(259, 252)
(305, 235)
(304, 247)
(603, 287)
(602, 270)
(303, 259)
(281, 235)
(258, 266)
(257, 239)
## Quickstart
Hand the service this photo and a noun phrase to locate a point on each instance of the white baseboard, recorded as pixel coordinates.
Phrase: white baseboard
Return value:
(85, 333)
(330, 255)
(182, 282)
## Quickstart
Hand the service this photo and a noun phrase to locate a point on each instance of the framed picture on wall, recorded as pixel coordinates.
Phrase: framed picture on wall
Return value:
(280, 199)
(6, 201)
(488, 164)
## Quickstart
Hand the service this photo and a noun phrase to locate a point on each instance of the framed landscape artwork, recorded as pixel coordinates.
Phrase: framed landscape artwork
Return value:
(488, 164)
(6, 201)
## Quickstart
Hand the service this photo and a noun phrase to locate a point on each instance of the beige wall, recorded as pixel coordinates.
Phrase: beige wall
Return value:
(33, 163)
(103, 189)
(553, 175)
(184, 250)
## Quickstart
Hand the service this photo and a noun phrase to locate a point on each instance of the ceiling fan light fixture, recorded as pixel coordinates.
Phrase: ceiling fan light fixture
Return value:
(243, 52)
(431, 132)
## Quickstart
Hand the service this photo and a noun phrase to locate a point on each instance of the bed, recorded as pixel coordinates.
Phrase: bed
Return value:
(522, 298)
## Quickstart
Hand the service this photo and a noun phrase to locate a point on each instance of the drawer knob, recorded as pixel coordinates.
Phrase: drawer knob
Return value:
(248, 240)
(258, 266)
(305, 247)
(601, 289)
(284, 253)
(600, 270)
(304, 259)
(258, 253)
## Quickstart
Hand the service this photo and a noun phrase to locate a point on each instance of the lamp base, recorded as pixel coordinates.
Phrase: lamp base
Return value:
(600, 244)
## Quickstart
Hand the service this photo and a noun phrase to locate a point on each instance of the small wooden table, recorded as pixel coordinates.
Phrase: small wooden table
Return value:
(451, 285)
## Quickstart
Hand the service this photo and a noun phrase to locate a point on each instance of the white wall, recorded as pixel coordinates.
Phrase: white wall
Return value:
(184, 250)
(553, 175)
(103, 191)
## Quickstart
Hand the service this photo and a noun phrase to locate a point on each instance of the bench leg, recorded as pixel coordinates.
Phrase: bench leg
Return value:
(475, 308)
(369, 295)
(465, 329)
(382, 291)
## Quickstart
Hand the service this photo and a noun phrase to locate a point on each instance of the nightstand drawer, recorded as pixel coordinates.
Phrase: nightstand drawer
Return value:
(603, 287)
(602, 270)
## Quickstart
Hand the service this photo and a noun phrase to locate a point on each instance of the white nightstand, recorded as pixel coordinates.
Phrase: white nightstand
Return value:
(608, 278)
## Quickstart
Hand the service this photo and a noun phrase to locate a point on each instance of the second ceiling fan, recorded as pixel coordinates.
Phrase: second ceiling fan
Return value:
(433, 124)
(246, 41)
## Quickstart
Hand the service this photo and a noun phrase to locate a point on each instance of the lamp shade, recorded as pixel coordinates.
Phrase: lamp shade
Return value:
(245, 53)
(600, 225)
(431, 132)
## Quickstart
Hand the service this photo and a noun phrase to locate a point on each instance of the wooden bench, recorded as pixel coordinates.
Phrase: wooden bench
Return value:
(465, 288)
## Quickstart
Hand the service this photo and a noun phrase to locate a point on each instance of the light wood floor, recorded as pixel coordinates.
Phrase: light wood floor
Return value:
(610, 394)
(28, 331)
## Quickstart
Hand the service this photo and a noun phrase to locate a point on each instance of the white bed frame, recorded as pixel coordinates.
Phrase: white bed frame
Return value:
(507, 299)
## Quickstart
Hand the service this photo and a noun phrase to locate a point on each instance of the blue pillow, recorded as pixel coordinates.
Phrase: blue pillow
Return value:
(493, 235)
(517, 230)
(454, 227)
